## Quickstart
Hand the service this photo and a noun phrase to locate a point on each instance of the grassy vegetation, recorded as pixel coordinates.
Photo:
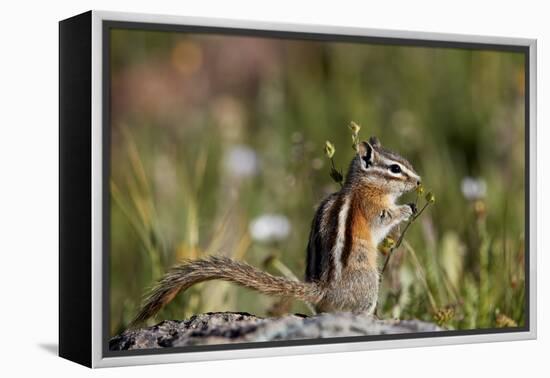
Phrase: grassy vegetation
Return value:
(210, 134)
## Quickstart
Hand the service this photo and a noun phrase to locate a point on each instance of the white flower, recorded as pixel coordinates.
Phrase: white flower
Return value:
(270, 227)
(473, 188)
(241, 161)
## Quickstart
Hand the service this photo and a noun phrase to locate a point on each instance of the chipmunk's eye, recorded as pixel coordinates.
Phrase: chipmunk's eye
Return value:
(394, 168)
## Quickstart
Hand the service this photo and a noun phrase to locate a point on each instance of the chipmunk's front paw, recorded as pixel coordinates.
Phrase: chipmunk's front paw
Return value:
(406, 212)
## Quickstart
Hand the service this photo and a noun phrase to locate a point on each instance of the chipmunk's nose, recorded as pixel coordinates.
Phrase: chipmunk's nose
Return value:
(418, 183)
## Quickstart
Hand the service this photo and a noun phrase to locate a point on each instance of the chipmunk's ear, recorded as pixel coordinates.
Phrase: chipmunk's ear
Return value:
(374, 141)
(366, 153)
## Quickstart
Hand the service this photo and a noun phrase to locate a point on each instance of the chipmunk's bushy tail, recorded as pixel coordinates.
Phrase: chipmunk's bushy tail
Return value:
(185, 275)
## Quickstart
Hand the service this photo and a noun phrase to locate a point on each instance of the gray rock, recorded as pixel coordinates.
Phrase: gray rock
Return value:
(237, 327)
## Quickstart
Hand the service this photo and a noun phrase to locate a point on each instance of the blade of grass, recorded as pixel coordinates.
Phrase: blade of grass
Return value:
(422, 275)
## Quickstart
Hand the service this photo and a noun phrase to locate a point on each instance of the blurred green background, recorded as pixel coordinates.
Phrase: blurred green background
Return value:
(217, 148)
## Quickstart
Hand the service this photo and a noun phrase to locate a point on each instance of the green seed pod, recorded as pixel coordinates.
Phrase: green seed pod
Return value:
(388, 242)
(430, 197)
(329, 149)
(354, 128)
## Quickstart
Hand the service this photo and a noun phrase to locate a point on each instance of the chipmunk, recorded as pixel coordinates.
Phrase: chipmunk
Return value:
(341, 272)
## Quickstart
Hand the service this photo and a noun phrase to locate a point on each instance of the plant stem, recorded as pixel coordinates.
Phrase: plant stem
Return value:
(282, 268)
(400, 240)
(422, 275)
(333, 167)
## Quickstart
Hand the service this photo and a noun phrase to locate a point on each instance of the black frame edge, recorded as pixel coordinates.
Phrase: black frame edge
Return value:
(75, 195)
